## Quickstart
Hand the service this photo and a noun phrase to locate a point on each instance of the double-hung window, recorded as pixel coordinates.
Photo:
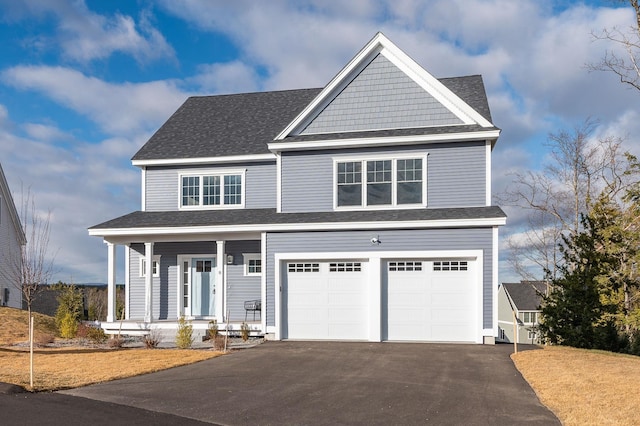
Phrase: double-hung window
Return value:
(212, 190)
(382, 182)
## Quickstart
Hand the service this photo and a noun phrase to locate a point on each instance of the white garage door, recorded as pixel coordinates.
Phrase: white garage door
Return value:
(325, 300)
(430, 300)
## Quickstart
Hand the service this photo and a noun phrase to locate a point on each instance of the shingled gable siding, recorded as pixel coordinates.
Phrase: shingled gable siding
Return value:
(163, 185)
(240, 288)
(381, 96)
(455, 175)
(397, 240)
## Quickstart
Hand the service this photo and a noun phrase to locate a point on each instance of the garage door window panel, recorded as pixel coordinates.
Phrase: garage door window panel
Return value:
(303, 267)
(450, 265)
(405, 266)
(345, 267)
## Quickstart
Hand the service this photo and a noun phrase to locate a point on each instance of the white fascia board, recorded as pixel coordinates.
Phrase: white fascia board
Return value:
(321, 226)
(204, 160)
(373, 142)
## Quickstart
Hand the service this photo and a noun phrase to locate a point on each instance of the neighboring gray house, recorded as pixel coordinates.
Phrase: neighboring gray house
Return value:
(524, 299)
(357, 211)
(12, 238)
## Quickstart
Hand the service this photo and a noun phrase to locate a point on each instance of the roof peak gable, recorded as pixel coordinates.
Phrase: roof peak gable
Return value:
(381, 45)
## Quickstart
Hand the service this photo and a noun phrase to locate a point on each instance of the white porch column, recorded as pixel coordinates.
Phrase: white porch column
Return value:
(148, 283)
(111, 282)
(222, 279)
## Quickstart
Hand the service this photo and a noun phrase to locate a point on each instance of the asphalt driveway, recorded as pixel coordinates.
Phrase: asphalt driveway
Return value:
(338, 383)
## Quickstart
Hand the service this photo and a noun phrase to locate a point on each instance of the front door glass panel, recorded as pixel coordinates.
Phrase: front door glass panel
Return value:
(203, 287)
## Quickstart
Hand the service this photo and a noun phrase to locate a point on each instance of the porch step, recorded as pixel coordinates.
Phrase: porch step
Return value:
(166, 330)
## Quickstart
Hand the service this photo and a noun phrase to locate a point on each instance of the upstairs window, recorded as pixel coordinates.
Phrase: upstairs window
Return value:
(529, 317)
(212, 190)
(380, 183)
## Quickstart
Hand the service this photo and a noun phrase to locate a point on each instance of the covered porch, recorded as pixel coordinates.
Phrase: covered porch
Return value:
(204, 278)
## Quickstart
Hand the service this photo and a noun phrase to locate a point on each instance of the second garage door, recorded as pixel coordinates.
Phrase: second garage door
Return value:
(325, 300)
(429, 300)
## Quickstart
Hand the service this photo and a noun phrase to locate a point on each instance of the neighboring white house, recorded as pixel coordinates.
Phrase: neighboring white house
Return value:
(524, 299)
(357, 211)
(12, 238)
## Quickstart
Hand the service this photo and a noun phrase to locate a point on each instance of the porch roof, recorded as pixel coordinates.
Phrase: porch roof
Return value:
(269, 219)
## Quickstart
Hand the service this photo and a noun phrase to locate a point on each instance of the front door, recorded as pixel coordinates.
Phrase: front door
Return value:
(203, 287)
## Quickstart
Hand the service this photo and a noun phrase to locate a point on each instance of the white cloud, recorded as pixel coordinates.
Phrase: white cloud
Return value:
(84, 35)
(81, 184)
(224, 78)
(116, 108)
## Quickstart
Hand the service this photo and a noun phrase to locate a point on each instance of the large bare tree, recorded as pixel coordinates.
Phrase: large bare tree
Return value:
(623, 56)
(579, 168)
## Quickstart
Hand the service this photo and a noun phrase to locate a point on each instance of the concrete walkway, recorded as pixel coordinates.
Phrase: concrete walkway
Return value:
(338, 383)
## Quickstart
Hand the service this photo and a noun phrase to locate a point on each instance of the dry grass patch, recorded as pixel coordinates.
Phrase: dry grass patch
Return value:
(72, 367)
(584, 387)
(15, 326)
(69, 367)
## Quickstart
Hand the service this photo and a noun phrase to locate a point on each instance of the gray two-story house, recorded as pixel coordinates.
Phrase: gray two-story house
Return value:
(519, 311)
(12, 239)
(357, 211)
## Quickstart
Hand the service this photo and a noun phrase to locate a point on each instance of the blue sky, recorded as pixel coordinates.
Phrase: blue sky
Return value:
(83, 84)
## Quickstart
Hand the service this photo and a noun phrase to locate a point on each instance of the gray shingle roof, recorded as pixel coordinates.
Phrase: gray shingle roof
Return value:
(243, 124)
(225, 125)
(471, 90)
(267, 217)
(526, 294)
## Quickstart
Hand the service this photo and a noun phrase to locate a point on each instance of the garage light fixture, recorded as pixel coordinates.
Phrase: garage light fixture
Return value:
(229, 259)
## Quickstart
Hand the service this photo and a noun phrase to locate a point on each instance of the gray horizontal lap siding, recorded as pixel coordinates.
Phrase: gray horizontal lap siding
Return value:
(392, 240)
(165, 287)
(241, 288)
(163, 185)
(9, 257)
(456, 175)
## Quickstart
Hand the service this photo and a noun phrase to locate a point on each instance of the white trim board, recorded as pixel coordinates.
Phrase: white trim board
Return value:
(205, 160)
(384, 141)
(321, 226)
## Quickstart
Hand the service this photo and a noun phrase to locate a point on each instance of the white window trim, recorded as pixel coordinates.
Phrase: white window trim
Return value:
(246, 257)
(530, 313)
(213, 172)
(156, 262)
(394, 181)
